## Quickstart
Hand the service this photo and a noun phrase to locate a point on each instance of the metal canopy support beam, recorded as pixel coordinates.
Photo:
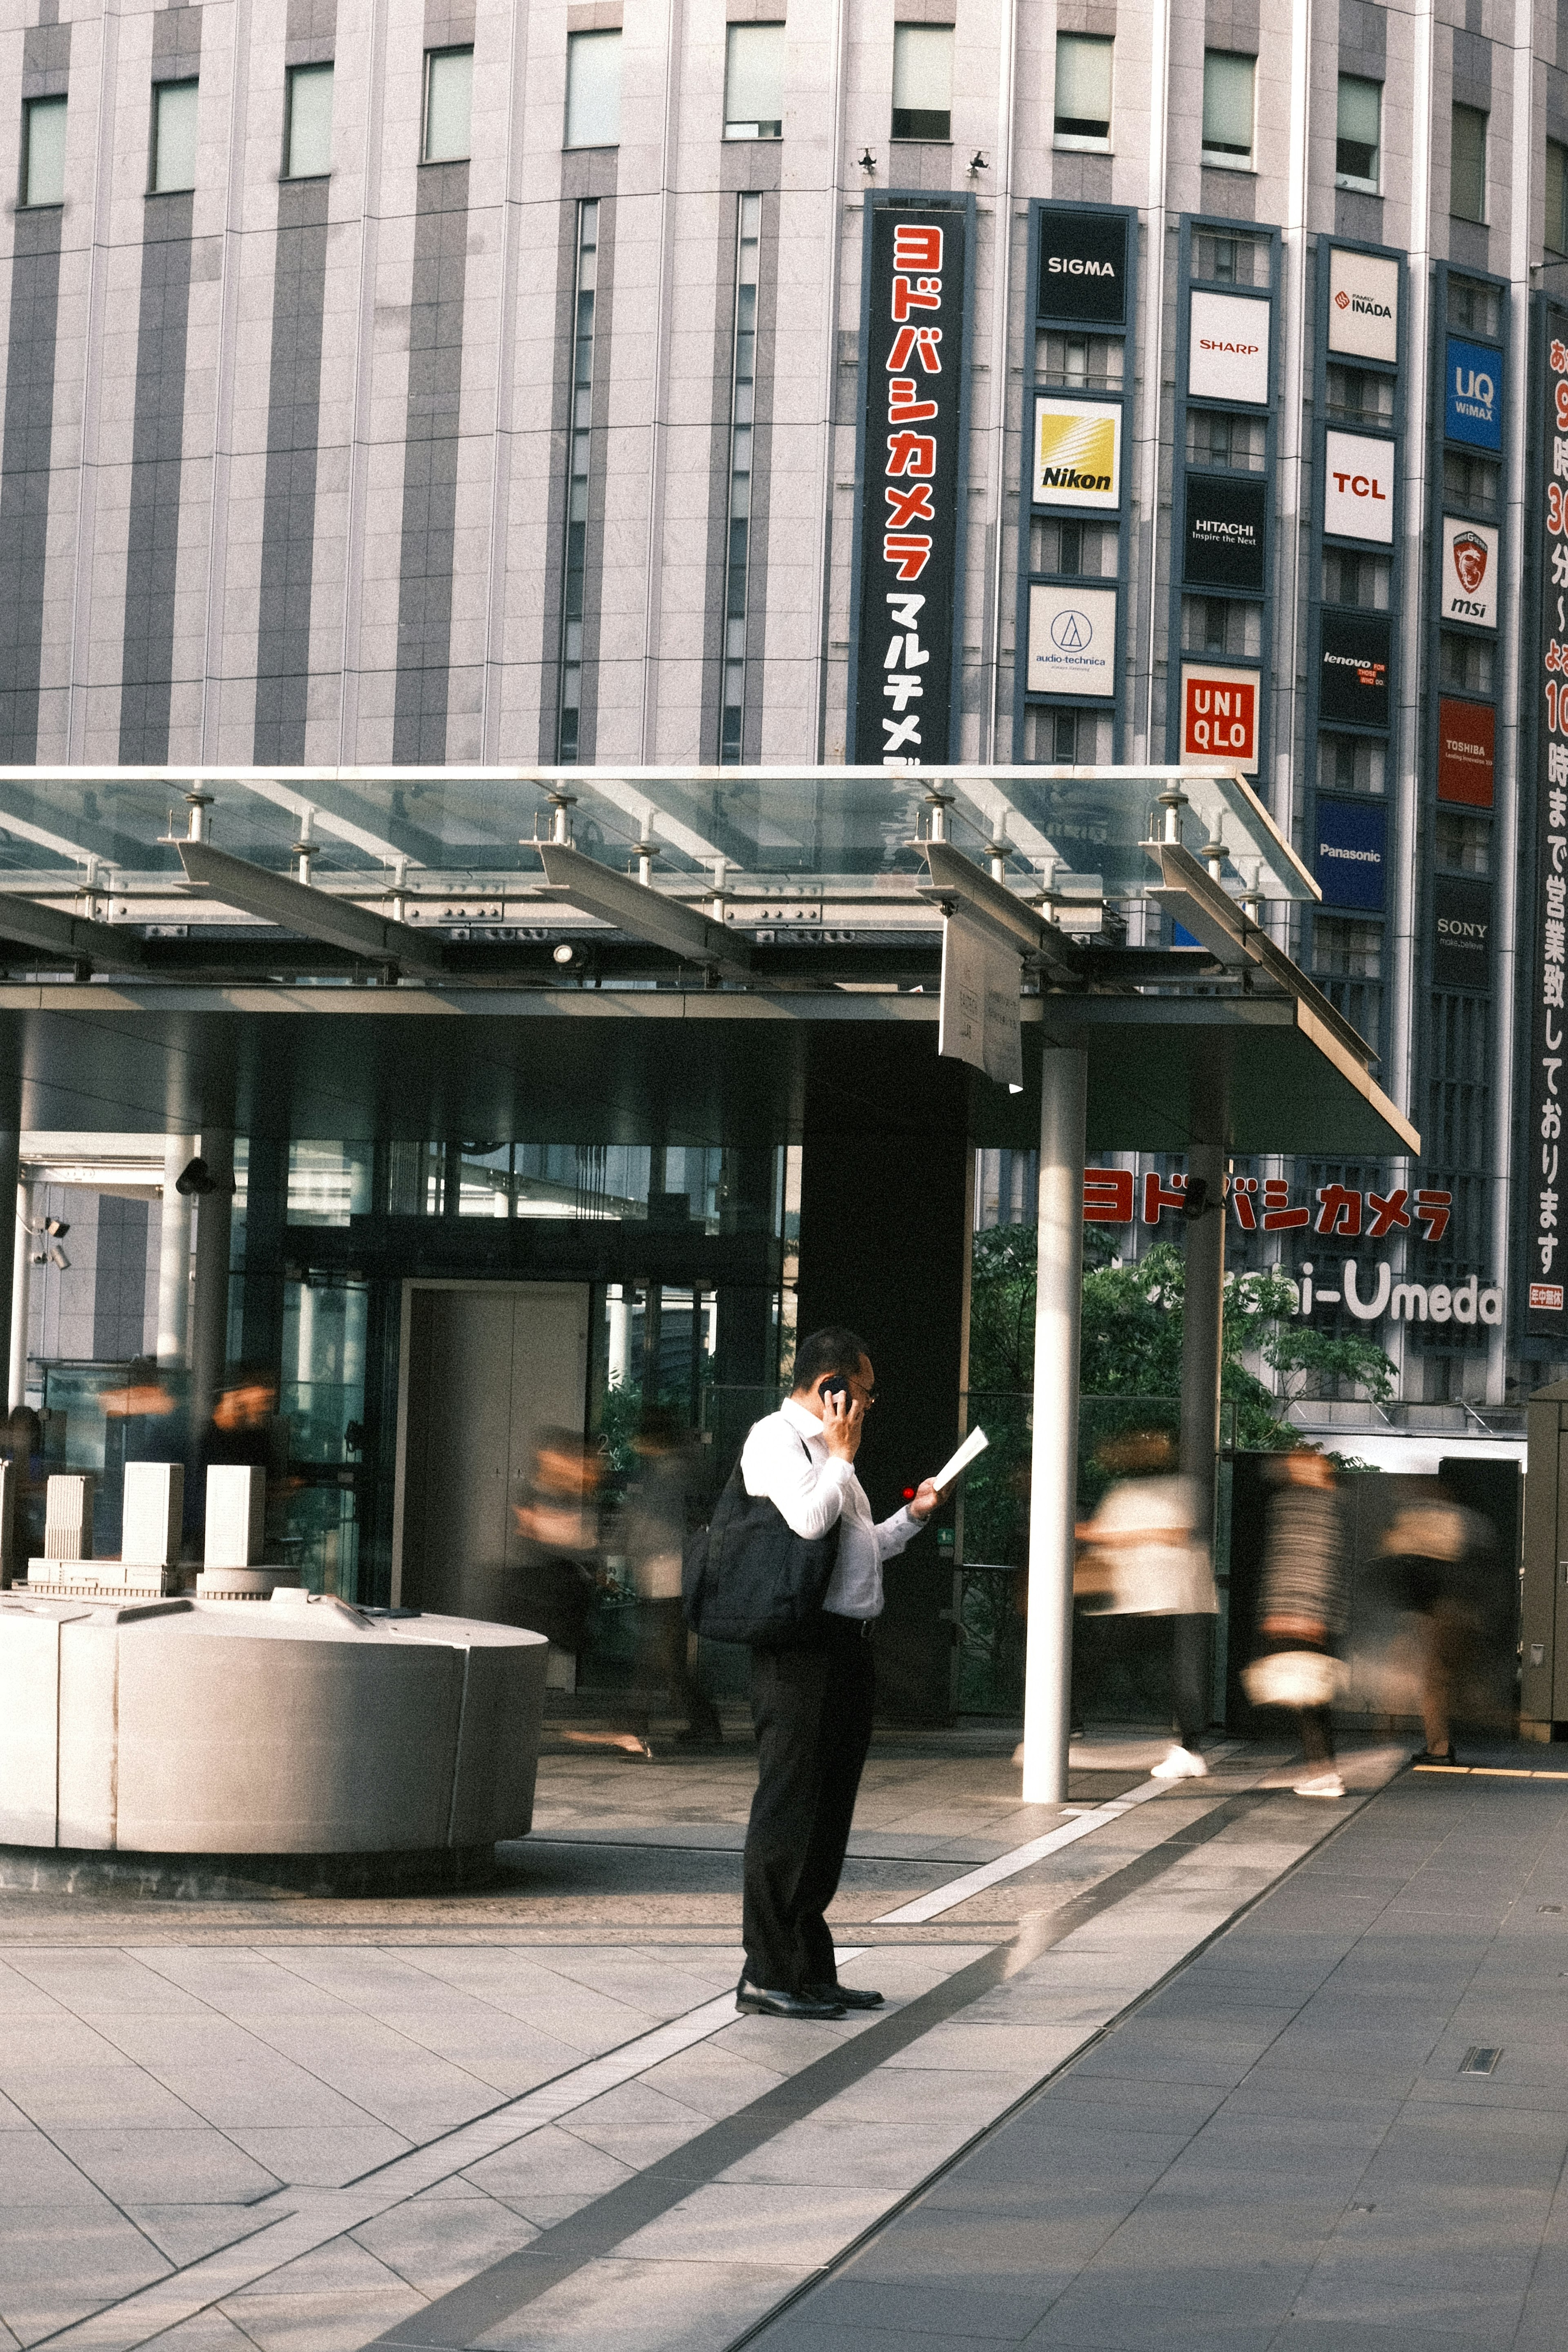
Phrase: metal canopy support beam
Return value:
(70, 937)
(313, 914)
(1212, 915)
(1053, 1500)
(953, 875)
(640, 910)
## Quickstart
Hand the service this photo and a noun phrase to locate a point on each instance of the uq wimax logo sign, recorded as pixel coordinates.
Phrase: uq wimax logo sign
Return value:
(1473, 394)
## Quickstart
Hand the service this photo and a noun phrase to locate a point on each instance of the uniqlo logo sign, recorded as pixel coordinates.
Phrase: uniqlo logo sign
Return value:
(1358, 487)
(911, 445)
(1219, 718)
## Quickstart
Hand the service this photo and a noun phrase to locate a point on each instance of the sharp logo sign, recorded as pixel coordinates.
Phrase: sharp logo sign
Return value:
(1228, 351)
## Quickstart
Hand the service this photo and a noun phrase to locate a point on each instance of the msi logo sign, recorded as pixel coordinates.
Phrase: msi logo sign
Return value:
(1470, 562)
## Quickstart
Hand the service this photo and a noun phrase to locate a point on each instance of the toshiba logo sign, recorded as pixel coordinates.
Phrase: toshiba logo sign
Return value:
(1358, 487)
(1227, 348)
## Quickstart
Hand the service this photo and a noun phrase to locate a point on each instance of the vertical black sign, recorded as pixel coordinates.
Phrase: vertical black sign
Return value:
(912, 379)
(1546, 1148)
(1083, 266)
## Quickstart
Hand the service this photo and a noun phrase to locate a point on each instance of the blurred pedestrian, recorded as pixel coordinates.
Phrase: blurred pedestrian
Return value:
(1302, 1608)
(1143, 1558)
(560, 1564)
(1428, 1545)
(653, 1538)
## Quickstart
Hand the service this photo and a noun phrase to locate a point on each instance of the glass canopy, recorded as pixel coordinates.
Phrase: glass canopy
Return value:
(428, 831)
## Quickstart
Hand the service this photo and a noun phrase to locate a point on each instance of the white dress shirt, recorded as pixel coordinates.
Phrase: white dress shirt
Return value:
(787, 1459)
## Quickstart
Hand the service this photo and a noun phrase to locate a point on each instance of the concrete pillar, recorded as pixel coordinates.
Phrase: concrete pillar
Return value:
(175, 1253)
(1201, 1323)
(210, 1306)
(1053, 1496)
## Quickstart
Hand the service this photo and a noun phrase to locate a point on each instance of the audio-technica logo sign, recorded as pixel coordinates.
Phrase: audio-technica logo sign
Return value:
(1072, 641)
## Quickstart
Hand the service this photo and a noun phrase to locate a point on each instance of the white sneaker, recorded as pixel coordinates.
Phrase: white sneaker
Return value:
(1321, 1784)
(1180, 1764)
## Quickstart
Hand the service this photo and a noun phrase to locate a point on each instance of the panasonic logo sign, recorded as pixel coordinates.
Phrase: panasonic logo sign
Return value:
(1061, 266)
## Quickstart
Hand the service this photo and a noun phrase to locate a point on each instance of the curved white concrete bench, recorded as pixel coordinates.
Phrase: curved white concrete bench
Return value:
(298, 1726)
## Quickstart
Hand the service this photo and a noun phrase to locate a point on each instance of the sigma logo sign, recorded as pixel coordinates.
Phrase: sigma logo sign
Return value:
(1229, 348)
(1072, 641)
(1469, 572)
(1078, 454)
(1219, 718)
(1363, 305)
(1358, 487)
(1083, 266)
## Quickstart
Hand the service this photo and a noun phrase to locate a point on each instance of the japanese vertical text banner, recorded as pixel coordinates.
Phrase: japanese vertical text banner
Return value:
(909, 545)
(1546, 1152)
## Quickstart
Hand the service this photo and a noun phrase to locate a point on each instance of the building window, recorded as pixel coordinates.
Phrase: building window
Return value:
(1357, 393)
(1221, 625)
(1464, 842)
(593, 90)
(1074, 551)
(1358, 146)
(1352, 579)
(580, 434)
(1083, 90)
(1468, 166)
(1465, 663)
(174, 137)
(1351, 763)
(448, 105)
(742, 425)
(1068, 739)
(1087, 363)
(1555, 236)
(923, 81)
(1228, 106)
(1231, 257)
(44, 150)
(308, 132)
(1237, 444)
(1472, 482)
(753, 81)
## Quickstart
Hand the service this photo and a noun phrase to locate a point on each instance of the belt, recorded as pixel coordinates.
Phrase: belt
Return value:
(859, 1629)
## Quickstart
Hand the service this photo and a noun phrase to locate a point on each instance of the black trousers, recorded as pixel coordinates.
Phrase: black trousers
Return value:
(812, 1711)
(1190, 1638)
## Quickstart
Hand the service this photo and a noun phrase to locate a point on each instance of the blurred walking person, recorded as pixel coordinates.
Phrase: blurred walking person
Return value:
(1303, 1605)
(1143, 1558)
(653, 1538)
(1429, 1546)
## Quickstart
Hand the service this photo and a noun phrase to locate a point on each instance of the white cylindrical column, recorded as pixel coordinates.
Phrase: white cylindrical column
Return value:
(619, 1304)
(1202, 1320)
(21, 1297)
(1053, 1500)
(175, 1253)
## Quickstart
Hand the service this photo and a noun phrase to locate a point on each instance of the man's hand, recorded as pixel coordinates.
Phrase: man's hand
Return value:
(843, 1422)
(926, 1501)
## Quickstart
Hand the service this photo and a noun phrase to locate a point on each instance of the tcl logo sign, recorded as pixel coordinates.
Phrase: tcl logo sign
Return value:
(1358, 487)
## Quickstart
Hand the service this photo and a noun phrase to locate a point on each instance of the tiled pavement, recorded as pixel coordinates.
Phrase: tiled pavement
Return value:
(532, 2117)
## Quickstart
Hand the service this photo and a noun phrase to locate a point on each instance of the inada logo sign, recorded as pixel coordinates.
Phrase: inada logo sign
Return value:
(1227, 348)
(1469, 572)
(1072, 641)
(1078, 454)
(1220, 718)
(1363, 305)
(1358, 487)
(1083, 266)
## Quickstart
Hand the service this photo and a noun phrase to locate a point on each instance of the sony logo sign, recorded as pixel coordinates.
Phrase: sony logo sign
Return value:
(1449, 926)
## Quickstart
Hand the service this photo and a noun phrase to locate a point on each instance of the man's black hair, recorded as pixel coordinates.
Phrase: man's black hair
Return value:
(833, 1348)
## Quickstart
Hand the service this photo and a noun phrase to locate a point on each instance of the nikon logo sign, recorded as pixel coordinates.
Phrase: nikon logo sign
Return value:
(1078, 453)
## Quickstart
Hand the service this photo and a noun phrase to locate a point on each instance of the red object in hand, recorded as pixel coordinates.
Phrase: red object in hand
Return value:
(909, 1494)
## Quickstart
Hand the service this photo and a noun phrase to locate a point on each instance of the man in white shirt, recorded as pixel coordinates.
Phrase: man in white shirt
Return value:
(812, 1706)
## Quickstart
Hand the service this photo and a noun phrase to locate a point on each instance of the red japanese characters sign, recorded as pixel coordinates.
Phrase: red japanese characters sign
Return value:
(1269, 1205)
(911, 470)
(1544, 954)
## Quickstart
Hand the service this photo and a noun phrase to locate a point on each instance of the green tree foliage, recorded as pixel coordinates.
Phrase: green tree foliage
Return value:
(1133, 1334)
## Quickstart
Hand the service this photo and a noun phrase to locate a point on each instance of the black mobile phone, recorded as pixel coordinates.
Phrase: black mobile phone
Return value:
(835, 1385)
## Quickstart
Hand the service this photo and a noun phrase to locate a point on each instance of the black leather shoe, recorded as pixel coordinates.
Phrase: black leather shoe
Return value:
(852, 1996)
(761, 2002)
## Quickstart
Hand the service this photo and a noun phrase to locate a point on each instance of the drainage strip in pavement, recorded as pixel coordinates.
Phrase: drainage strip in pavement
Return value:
(709, 2242)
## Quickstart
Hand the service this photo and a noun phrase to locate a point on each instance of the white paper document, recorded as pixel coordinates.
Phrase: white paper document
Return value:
(976, 1443)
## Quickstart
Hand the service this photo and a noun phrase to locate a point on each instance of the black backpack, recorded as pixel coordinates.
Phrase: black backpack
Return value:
(747, 1577)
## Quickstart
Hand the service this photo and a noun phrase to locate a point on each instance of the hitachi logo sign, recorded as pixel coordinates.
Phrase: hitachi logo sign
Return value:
(1068, 477)
(1061, 265)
